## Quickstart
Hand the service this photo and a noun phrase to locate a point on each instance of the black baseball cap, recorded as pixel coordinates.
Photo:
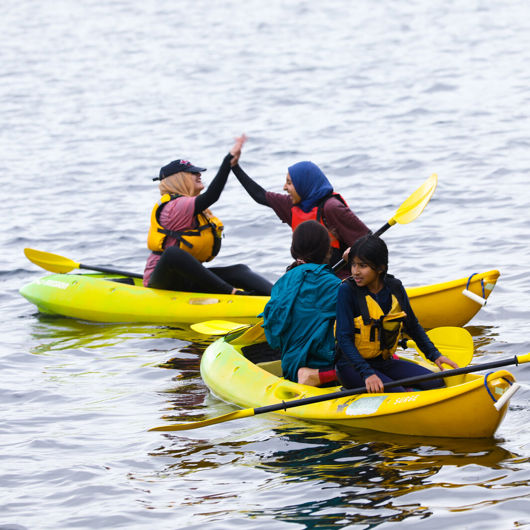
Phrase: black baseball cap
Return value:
(176, 167)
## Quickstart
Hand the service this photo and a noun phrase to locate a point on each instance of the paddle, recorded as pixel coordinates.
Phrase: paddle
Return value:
(284, 405)
(409, 210)
(218, 327)
(60, 264)
(453, 342)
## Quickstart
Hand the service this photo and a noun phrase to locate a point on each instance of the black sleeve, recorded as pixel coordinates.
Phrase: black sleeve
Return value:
(212, 194)
(252, 188)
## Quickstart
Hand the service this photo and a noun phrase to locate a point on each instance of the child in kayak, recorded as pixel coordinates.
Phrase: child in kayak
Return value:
(372, 309)
(184, 234)
(300, 316)
(310, 196)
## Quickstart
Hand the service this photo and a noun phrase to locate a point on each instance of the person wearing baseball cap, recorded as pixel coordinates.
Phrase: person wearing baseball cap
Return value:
(178, 166)
(184, 234)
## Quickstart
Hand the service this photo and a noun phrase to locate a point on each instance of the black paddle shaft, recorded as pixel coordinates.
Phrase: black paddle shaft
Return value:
(402, 382)
(338, 266)
(111, 271)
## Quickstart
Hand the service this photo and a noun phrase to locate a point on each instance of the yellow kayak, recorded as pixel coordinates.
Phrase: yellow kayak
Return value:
(105, 298)
(463, 409)
(112, 298)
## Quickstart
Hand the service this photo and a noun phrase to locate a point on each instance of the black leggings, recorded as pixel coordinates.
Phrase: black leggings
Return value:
(177, 270)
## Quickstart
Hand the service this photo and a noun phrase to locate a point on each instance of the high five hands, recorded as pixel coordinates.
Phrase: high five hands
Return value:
(236, 149)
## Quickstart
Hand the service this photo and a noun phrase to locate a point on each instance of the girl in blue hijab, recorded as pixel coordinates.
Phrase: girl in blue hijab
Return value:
(310, 196)
(309, 183)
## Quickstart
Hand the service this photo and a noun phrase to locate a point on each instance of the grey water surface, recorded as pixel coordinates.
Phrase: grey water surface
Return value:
(95, 96)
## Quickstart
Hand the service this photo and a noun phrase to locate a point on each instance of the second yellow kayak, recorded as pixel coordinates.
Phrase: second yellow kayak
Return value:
(108, 298)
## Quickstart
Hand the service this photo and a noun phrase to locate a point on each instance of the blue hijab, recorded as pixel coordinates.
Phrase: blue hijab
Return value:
(310, 183)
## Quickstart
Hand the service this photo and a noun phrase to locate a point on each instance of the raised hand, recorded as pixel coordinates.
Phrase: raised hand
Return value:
(236, 149)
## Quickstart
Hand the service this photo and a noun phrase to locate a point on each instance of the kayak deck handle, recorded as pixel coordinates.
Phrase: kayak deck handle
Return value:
(506, 396)
(481, 300)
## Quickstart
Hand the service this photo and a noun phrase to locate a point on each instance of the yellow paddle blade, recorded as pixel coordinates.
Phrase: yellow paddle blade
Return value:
(252, 335)
(453, 342)
(415, 204)
(50, 262)
(245, 413)
(523, 358)
(217, 327)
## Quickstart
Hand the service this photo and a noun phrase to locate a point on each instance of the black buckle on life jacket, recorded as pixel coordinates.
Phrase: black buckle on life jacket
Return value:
(176, 235)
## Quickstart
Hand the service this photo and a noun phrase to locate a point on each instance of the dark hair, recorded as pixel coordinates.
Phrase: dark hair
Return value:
(372, 250)
(311, 243)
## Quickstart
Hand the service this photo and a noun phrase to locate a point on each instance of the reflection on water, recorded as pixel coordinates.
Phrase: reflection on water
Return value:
(51, 333)
(185, 399)
(396, 453)
(354, 477)
(483, 336)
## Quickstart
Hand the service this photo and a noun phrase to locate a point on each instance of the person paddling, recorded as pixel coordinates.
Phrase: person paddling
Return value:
(300, 316)
(372, 311)
(310, 196)
(184, 234)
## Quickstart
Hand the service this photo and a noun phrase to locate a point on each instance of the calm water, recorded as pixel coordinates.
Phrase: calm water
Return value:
(95, 96)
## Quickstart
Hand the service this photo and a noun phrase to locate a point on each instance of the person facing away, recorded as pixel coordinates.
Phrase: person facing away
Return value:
(300, 316)
(184, 234)
(310, 196)
(372, 310)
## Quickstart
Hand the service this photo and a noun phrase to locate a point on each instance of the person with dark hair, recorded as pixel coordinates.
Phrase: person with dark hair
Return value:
(300, 316)
(310, 196)
(372, 310)
(184, 234)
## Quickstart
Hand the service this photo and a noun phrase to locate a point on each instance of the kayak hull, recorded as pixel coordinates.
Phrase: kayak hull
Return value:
(101, 298)
(448, 299)
(463, 409)
(104, 298)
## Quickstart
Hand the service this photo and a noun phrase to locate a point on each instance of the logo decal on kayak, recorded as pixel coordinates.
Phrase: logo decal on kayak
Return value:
(365, 405)
(203, 301)
(406, 399)
(55, 283)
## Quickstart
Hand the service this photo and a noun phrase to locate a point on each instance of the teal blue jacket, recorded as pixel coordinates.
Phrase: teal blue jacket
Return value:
(300, 317)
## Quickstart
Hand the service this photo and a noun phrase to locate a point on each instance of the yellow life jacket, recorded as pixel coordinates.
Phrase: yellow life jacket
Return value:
(203, 242)
(377, 333)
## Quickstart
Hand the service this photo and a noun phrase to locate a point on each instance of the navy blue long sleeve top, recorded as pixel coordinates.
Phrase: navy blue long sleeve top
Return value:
(348, 309)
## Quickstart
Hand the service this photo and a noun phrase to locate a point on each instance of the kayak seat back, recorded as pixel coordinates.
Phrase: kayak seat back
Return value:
(273, 367)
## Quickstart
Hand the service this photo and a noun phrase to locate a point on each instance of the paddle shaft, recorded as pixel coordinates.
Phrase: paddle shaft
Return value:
(341, 263)
(402, 382)
(110, 271)
(60, 264)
